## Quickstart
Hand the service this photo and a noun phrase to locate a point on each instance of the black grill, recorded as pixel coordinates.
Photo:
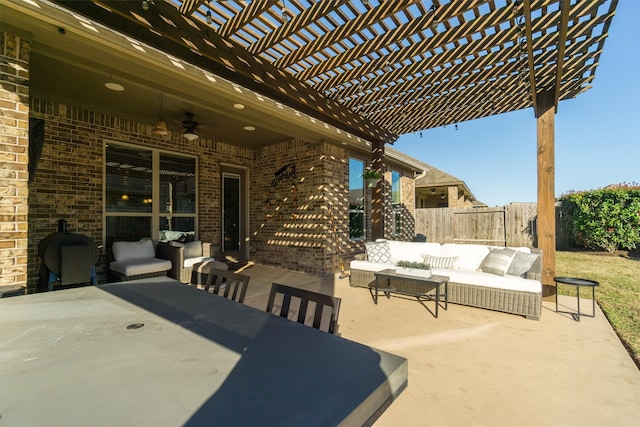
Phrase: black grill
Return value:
(66, 259)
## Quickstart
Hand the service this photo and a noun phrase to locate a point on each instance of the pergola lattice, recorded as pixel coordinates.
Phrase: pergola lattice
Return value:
(382, 68)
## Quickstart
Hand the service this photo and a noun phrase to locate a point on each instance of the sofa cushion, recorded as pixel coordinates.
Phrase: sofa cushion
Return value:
(369, 266)
(134, 267)
(478, 278)
(190, 262)
(411, 251)
(498, 261)
(521, 263)
(440, 261)
(124, 251)
(378, 252)
(469, 256)
(193, 249)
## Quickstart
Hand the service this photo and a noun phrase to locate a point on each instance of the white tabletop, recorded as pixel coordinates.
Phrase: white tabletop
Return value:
(68, 358)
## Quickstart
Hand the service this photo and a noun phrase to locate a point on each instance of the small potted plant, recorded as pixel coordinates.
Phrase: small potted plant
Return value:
(411, 268)
(371, 177)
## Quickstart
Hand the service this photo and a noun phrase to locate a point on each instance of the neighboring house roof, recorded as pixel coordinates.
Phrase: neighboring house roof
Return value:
(406, 159)
(431, 176)
(435, 177)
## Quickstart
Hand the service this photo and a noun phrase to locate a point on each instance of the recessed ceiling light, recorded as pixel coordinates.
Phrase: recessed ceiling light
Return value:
(114, 86)
(238, 106)
(249, 128)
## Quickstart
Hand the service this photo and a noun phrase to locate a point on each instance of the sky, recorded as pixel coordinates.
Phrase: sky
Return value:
(597, 134)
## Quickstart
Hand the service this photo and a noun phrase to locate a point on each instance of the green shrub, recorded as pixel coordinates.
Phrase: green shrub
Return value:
(607, 218)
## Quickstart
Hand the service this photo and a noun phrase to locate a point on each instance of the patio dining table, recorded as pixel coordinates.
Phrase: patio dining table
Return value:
(158, 352)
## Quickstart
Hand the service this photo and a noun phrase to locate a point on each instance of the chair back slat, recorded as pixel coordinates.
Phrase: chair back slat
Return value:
(318, 316)
(233, 285)
(286, 303)
(320, 300)
(302, 313)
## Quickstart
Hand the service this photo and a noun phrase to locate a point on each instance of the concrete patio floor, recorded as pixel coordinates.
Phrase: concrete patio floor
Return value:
(475, 367)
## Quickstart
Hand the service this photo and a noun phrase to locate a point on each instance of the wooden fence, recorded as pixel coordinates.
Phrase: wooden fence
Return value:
(511, 225)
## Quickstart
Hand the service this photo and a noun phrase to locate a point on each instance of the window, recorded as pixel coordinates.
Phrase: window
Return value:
(356, 199)
(148, 194)
(396, 205)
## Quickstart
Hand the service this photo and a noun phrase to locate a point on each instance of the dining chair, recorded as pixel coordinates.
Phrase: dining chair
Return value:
(304, 296)
(228, 284)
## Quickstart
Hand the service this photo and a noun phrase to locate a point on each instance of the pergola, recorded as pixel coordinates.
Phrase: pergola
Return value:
(382, 68)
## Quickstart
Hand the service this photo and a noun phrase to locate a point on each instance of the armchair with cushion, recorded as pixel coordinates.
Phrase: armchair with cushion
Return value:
(136, 260)
(183, 257)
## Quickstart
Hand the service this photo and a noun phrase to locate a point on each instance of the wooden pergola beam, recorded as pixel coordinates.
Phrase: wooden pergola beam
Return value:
(546, 189)
(189, 6)
(562, 42)
(247, 15)
(361, 22)
(310, 15)
(529, 36)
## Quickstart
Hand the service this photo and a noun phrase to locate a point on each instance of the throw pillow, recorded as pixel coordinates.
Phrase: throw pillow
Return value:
(498, 261)
(440, 261)
(193, 249)
(521, 263)
(378, 252)
(125, 251)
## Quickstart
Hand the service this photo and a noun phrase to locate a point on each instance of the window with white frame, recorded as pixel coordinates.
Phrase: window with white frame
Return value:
(149, 194)
(356, 199)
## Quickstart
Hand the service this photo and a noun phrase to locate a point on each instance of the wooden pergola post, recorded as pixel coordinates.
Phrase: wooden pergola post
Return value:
(377, 199)
(545, 114)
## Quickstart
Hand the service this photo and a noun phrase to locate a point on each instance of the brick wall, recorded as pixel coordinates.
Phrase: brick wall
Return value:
(68, 182)
(408, 200)
(289, 216)
(14, 158)
(290, 225)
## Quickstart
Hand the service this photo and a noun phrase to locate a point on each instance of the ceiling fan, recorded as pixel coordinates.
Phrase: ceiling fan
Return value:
(190, 128)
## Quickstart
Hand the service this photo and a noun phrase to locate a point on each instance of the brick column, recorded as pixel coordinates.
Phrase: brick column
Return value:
(14, 158)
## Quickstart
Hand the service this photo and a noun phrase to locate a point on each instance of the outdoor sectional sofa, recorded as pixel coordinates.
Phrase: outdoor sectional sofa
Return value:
(495, 278)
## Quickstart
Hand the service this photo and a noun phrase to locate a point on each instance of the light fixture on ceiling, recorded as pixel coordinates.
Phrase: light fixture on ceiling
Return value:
(190, 128)
(442, 196)
(238, 106)
(286, 16)
(456, 126)
(160, 129)
(433, 190)
(111, 85)
(434, 21)
(249, 128)
(146, 3)
(209, 17)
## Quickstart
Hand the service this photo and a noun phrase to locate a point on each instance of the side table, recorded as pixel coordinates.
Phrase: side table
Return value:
(578, 283)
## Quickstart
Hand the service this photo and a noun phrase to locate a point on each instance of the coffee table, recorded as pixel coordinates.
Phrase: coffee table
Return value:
(417, 286)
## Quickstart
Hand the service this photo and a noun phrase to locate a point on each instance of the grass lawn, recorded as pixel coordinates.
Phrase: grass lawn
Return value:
(618, 294)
